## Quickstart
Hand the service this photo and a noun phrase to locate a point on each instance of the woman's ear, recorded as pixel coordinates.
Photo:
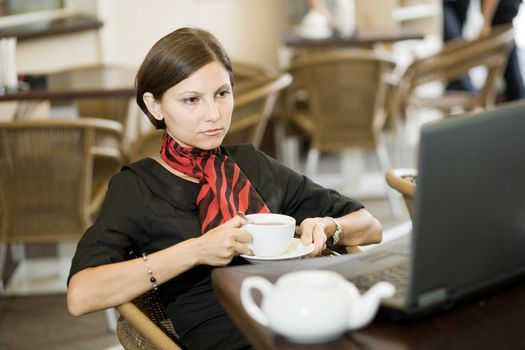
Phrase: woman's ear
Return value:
(153, 105)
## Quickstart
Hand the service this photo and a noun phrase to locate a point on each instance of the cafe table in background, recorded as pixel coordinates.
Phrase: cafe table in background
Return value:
(294, 44)
(64, 88)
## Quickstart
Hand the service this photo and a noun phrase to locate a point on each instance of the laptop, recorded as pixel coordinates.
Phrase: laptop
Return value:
(468, 234)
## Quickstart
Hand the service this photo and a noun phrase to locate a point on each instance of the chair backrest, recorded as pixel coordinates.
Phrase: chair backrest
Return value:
(404, 181)
(455, 59)
(111, 106)
(253, 108)
(46, 176)
(346, 96)
(249, 75)
(144, 325)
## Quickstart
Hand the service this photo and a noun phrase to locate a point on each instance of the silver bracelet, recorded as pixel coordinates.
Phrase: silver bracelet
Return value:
(337, 233)
(152, 278)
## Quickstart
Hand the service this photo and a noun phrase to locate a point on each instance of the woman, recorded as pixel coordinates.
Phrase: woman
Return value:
(165, 224)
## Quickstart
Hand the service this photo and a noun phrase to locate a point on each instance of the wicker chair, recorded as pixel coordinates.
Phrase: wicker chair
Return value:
(54, 177)
(249, 75)
(454, 60)
(144, 325)
(120, 109)
(338, 101)
(404, 181)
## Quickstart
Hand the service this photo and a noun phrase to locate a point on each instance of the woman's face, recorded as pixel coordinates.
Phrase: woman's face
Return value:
(197, 111)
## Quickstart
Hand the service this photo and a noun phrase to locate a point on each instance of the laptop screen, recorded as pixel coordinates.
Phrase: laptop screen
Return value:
(469, 222)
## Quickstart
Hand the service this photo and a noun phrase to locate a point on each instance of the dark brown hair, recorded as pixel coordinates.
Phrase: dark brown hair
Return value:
(174, 58)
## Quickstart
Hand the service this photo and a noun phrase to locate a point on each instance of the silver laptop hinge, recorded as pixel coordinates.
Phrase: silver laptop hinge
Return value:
(436, 296)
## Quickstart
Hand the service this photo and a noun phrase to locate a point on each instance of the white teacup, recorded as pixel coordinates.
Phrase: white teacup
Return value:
(271, 233)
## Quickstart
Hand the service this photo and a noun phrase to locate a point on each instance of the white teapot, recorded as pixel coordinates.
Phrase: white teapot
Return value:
(312, 306)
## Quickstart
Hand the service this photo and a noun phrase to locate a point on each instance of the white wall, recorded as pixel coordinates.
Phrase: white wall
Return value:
(58, 52)
(249, 29)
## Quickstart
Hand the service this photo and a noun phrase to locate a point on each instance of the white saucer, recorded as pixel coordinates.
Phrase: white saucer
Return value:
(296, 250)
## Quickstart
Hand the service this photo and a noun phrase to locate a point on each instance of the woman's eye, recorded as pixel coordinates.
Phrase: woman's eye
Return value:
(191, 100)
(223, 93)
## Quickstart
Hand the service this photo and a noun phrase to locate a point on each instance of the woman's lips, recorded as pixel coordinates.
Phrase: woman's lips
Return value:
(212, 132)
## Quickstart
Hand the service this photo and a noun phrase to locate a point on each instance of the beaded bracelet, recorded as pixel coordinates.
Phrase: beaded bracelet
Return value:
(152, 278)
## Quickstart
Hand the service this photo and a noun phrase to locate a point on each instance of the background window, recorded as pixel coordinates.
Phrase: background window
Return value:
(17, 7)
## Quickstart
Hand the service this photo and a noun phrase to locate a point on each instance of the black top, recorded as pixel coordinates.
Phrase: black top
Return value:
(147, 209)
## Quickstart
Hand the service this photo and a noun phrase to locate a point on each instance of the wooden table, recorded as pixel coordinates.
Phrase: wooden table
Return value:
(63, 88)
(294, 45)
(494, 322)
(362, 38)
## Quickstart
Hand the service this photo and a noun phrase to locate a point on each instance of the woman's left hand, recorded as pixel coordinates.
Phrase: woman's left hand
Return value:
(312, 230)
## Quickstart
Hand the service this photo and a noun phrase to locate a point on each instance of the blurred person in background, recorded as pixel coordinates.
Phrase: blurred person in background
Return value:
(454, 19)
(496, 12)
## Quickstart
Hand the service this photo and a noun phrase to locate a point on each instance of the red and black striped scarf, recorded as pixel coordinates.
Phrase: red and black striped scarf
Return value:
(224, 189)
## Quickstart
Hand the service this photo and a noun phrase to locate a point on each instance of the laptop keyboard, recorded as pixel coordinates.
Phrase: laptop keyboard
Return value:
(397, 275)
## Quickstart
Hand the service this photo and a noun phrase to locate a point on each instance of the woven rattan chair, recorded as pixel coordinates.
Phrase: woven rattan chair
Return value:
(338, 100)
(404, 181)
(144, 325)
(344, 102)
(453, 61)
(53, 178)
(249, 75)
(113, 108)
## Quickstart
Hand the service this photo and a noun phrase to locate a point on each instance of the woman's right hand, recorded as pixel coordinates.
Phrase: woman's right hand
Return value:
(218, 246)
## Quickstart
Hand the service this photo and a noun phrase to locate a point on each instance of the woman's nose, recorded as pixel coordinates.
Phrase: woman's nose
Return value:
(213, 113)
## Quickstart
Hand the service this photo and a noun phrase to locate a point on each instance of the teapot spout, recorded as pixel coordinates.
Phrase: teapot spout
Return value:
(364, 310)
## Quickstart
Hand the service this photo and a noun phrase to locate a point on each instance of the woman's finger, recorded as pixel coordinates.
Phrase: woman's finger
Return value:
(242, 249)
(319, 239)
(235, 222)
(242, 236)
(306, 230)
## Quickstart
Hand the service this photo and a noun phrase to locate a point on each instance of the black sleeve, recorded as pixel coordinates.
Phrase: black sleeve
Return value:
(119, 228)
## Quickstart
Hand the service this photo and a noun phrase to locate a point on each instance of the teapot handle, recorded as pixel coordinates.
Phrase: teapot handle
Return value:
(265, 287)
